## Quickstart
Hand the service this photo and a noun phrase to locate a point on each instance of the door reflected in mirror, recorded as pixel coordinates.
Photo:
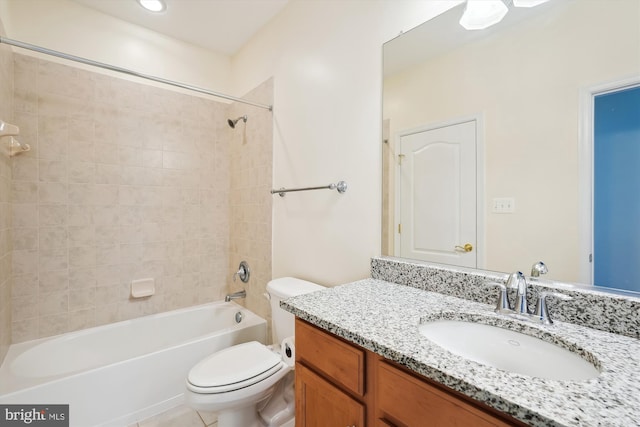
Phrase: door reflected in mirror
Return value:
(530, 83)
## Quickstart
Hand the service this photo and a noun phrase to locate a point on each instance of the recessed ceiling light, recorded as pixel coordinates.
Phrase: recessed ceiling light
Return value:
(153, 5)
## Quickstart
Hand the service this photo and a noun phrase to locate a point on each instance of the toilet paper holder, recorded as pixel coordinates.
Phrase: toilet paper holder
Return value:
(287, 350)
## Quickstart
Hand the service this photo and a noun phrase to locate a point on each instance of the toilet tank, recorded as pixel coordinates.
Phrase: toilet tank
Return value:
(280, 289)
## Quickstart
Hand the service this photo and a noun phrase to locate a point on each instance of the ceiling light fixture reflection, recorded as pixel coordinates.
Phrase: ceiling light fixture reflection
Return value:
(153, 5)
(480, 14)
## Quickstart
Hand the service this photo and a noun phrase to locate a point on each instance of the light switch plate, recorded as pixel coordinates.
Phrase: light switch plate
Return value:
(503, 205)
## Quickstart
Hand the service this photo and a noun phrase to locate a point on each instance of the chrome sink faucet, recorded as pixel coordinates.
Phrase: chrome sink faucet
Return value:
(517, 281)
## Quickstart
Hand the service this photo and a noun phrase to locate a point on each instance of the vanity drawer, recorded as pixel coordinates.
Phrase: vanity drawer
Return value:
(344, 363)
(406, 400)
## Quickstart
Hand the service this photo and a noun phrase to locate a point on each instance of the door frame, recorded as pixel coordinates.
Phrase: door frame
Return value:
(585, 168)
(480, 180)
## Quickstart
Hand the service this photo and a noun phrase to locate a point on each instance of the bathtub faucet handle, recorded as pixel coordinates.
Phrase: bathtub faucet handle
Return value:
(243, 272)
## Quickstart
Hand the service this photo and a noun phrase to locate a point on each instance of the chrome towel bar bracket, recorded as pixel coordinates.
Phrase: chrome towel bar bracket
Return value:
(341, 186)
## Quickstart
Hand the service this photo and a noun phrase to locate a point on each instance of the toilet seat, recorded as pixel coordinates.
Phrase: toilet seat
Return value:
(234, 368)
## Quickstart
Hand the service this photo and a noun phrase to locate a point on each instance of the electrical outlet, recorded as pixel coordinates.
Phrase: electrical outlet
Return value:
(504, 205)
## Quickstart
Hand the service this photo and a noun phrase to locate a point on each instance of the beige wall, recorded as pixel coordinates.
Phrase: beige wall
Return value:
(121, 184)
(127, 181)
(251, 157)
(6, 114)
(326, 59)
(529, 106)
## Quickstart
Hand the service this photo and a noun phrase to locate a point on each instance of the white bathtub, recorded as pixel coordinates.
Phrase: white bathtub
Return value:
(117, 374)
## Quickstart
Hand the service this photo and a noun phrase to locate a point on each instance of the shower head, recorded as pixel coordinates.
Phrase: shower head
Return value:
(232, 123)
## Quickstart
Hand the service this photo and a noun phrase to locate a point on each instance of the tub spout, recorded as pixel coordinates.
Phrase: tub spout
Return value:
(236, 295)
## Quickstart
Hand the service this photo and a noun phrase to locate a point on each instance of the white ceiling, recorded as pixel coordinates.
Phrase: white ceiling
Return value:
(222, 26)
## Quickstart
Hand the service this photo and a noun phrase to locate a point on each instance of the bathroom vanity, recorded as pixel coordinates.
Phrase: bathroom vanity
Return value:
(361, 358)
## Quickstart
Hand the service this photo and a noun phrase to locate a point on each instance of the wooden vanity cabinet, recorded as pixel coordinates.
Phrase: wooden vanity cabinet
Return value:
(342, 384)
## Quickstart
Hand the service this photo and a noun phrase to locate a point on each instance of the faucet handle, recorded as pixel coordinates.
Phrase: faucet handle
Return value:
(539, 268)
(517, 280)
(542, 314)
(243, 272)
(502, 304)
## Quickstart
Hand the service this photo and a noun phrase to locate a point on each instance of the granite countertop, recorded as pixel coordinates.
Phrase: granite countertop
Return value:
(384, 317)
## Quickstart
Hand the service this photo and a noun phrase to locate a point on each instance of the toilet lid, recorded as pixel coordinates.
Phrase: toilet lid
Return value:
(233, 365)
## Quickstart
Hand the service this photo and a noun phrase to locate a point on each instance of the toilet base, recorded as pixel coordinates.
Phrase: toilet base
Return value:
(281, 407)
(246, 417)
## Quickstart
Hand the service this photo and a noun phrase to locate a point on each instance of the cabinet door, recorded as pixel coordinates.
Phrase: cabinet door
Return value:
(321, 404)
(326, 354)
(409, 401)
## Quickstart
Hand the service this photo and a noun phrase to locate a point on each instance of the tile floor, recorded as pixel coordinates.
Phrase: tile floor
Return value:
(181, 416)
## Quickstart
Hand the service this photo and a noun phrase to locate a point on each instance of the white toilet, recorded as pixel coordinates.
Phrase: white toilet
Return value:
(249, 384)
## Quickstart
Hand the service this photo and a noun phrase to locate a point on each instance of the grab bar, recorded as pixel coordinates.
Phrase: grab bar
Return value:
(341, 186)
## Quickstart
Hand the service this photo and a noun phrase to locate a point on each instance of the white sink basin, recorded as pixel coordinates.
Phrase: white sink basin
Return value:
(508, 350)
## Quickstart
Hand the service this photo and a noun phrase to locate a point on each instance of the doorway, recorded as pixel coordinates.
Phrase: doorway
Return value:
(437, 191)
(616, 188)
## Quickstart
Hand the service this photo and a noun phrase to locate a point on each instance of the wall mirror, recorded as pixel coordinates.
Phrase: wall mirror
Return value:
(524, 92)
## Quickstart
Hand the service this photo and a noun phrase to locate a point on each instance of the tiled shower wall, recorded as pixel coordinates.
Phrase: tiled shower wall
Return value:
(6, 114)
(250, 198)
(124, 181)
